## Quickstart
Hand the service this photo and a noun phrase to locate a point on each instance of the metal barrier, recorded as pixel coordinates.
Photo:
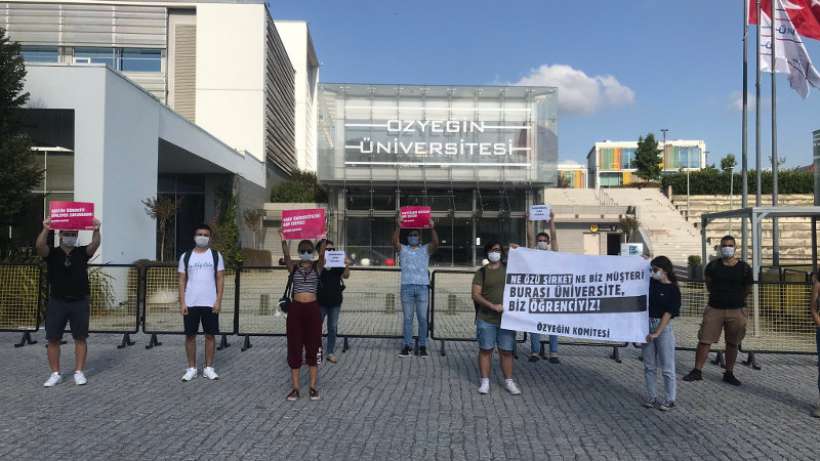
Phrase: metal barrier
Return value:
(21, 290)
(779, 324)
(114, 299)
(161, 313)
(258, 305)
(372, 304)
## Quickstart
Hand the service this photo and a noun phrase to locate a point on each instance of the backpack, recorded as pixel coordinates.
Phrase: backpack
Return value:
(187, 258)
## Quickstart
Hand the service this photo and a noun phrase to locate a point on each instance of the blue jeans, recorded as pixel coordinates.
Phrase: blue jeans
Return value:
(818, 358)
(332, 314)
(535, 343)
(660, 353)
(414, 299)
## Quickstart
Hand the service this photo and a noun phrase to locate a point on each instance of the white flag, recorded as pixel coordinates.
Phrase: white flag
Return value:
(791, 56)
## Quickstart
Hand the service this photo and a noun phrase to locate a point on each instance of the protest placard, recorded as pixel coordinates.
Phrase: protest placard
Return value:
(304, 224)
(71, 215)
(415, 217)
(540, 212)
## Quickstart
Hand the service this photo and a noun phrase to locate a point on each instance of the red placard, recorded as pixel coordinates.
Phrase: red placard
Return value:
(71, 215)
(415, 217)
(304, 224)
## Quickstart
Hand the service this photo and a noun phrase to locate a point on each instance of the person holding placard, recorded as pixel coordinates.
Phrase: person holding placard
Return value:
(543, 241)
(414, 259)
(729, 281)
(303, 326)
(659, 350)
(201, 286)
(331, 287)
(488, 295)
(68, 302)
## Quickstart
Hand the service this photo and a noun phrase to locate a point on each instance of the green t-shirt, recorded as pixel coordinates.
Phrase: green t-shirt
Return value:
(491, 282)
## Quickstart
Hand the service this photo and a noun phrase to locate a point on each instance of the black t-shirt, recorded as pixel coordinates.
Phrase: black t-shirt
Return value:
(728, 284)
(663, 297)
(330, 287)
(68, 273)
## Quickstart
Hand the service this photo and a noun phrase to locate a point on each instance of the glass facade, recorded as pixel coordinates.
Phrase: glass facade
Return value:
(122, 59)
(677, 157)
(618, 158)
(40, 54)
(476, 155)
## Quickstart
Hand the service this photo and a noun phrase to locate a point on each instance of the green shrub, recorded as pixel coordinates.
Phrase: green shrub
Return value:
(714, 182)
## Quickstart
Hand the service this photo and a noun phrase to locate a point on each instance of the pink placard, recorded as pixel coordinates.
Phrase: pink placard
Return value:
(71, 215)
(415, 217)
(304, 224)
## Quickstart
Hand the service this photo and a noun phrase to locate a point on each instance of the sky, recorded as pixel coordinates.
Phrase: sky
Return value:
(623, 68)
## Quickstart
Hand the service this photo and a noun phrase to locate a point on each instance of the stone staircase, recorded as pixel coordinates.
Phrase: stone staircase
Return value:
(795, 233)
(668, 233)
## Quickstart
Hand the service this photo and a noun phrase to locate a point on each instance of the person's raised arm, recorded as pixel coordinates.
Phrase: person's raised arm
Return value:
(553, 233)
(530, 231)
(41, 245)
(346, 273)
(95, 239)
(285, 250)
(482, 301)
(434, 242)
(396, 235)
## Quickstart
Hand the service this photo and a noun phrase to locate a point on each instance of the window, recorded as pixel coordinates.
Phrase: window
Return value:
(123, 59)
(141, 60)
(105, 56)
(40, 54)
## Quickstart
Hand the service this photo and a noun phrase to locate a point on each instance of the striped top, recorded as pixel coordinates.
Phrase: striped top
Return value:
(305, 281)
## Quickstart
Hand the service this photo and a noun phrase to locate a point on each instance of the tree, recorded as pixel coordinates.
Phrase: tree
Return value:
(19, 173)
(162, 210)
(301, 187)
(648, 158)
(728, 163)
(226, 226)
(253, 221)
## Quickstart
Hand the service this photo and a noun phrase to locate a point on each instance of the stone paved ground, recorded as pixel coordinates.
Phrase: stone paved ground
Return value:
(376, 406)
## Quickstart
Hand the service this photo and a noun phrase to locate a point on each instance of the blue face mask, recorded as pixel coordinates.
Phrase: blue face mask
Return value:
(413, 240)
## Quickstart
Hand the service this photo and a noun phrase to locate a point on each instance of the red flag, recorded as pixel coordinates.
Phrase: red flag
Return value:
(805, 15)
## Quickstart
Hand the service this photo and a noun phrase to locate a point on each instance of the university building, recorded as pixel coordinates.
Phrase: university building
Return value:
(478, 155)
(610, 163)
(138, 99)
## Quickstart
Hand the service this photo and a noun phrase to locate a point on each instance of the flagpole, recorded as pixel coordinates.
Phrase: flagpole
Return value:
(744, 198)
(757, 111)
(775, 230)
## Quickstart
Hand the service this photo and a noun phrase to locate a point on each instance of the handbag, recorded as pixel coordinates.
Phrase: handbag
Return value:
(285, 301)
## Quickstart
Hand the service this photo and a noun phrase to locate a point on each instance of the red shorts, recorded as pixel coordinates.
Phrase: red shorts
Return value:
(304, 332)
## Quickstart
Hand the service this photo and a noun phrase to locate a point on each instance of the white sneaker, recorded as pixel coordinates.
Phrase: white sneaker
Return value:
(79, 378)
(485, 387)
(209, 373)
(53, 380)
(512, 388)
(190, 374)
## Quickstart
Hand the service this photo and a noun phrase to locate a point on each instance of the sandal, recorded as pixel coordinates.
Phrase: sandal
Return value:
(294, 395)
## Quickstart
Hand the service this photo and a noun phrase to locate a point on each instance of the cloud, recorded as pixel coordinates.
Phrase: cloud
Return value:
(579, 93)
(736, 101)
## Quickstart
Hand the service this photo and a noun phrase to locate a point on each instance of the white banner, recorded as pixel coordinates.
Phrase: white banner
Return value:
(539, 212)
(588, 297)
(334, 259)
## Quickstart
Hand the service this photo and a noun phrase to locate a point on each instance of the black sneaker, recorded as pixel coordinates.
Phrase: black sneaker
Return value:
(667, 406)
(423, 352)
(405, 352)
(729, 377)
(694, 375)
(534, 358)
(555, 360)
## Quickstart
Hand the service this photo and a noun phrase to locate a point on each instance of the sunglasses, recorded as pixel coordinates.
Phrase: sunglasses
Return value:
(330, 249)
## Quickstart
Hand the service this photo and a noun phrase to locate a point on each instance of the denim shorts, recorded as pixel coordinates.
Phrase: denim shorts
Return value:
(491, 336)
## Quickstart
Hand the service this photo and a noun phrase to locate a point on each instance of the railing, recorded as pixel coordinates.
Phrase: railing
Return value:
(123, 297)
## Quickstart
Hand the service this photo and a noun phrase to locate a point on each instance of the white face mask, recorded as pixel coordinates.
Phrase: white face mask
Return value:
(305, 256)
(657, 275)
(542, 245)
(69, 241)
(494, 256)
(201, 241)
(727, 252)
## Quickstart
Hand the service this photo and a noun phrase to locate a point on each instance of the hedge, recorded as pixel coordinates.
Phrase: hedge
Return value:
(714, 182)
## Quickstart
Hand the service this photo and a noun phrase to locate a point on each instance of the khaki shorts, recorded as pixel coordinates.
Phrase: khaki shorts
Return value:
(732, 321)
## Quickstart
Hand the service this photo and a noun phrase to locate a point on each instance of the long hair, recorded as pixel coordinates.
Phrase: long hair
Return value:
(664, 263)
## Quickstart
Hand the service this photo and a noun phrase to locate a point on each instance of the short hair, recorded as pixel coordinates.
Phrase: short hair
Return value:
(726, 238)
(542, 234)
(203, 227)
(489, 246)
(305, 244)
(414, 231)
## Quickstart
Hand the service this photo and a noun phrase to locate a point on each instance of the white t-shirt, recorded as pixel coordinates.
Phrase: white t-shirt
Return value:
(200, 291)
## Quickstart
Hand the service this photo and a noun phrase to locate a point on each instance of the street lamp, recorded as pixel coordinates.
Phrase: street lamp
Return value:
(731, 195)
